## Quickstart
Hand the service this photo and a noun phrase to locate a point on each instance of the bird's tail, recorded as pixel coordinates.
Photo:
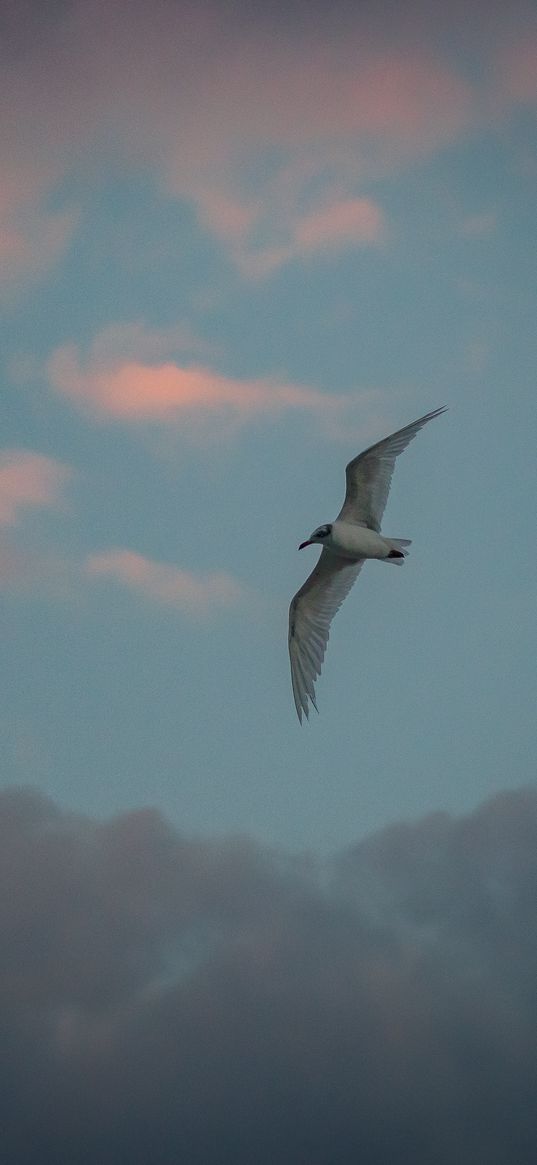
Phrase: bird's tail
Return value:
(397, 553)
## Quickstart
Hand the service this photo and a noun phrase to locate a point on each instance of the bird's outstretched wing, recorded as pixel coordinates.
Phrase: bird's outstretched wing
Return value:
(369, 475)
(310, 615)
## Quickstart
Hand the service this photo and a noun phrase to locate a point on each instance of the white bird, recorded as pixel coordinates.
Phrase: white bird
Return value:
(347, 542)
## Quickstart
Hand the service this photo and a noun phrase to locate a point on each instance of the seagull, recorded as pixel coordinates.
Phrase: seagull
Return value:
(346, 543)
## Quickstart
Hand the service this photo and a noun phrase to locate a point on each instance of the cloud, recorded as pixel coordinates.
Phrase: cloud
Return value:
(234, 1004)
(357, 220)
(30, 247)
(352, 222)
(222, 109)
(518, 69)
(33, 234)
(126, 389)
(163, 583)
(27, 481)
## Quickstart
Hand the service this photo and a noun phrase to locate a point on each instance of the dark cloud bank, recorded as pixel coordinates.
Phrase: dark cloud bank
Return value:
(174, 1000)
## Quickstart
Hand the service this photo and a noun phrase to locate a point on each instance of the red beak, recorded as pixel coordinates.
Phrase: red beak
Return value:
(303, 544)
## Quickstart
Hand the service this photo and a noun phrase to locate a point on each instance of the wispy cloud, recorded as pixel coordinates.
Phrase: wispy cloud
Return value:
(356, 220)
(126, 389)
(31, 244)
(166, 584)
(518, 68)
(27, 481)
(339, 225)
(343, 104)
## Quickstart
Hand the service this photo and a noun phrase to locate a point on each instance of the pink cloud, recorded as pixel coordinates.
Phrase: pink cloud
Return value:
(29, 480)
(221, 116)
(340, 224)
(226, 215)
(268, 90)
(129, 390)
(32, 237)
(31, 244)
(342, 113)
(164, 89)
(167, 584)
(356, 220)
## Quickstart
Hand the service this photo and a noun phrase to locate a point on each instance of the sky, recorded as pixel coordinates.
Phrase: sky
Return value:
(238, 244)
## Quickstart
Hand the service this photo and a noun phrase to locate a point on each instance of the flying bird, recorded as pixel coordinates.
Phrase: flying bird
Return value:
(346, 543)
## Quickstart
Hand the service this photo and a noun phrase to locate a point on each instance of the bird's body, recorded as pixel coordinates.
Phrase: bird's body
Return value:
(353, 542)
(346, 543)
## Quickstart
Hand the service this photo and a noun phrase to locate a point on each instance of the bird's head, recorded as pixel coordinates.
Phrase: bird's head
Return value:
(321, 534)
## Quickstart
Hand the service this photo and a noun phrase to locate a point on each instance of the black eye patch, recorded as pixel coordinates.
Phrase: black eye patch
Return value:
(322, 532)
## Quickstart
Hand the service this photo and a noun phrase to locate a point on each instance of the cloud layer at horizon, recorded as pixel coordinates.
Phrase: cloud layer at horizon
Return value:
(217, 1000)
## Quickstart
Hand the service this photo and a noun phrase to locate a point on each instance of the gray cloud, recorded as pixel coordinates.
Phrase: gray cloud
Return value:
(172, 999)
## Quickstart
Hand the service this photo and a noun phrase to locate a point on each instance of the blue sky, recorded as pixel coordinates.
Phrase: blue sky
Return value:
(236, 250)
